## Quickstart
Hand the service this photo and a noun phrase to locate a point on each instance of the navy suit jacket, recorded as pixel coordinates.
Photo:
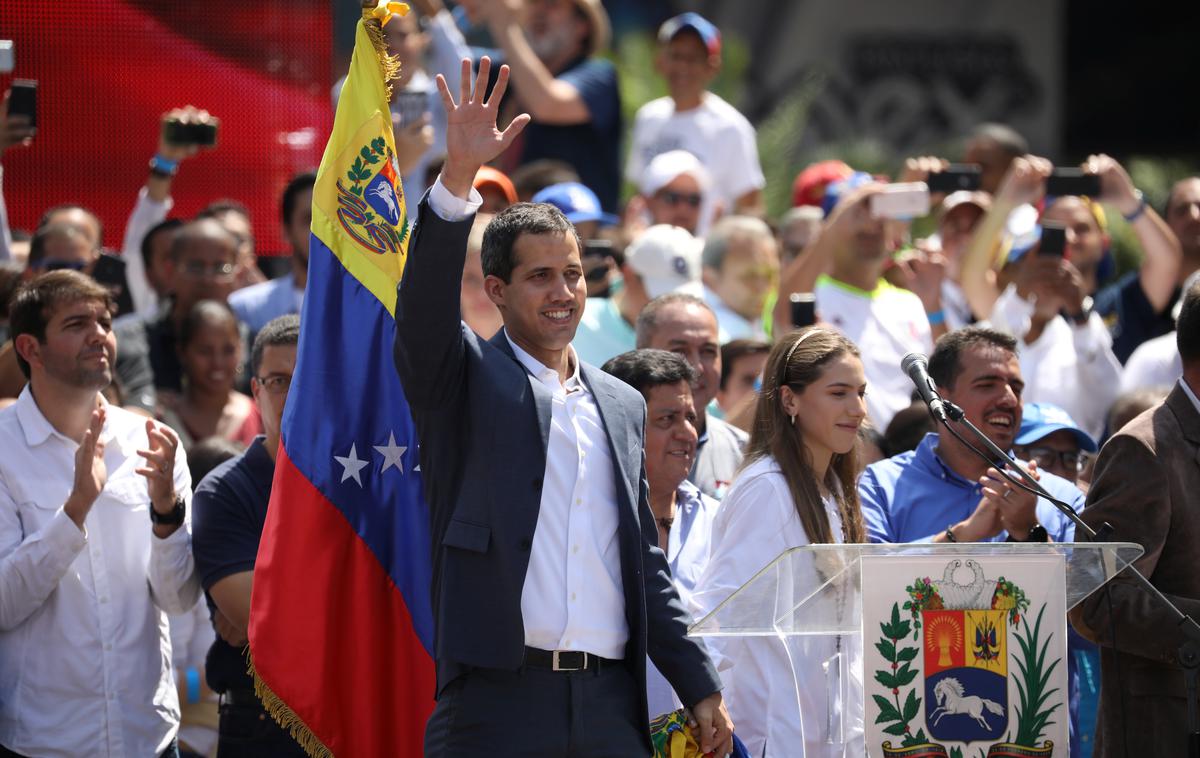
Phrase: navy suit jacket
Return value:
(483, 429)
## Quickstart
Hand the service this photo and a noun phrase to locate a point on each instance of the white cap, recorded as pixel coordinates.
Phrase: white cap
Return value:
(667, 258)
(664, 167)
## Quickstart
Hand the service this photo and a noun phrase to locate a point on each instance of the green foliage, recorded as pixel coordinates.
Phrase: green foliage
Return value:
(898, 716)
(1032, 716)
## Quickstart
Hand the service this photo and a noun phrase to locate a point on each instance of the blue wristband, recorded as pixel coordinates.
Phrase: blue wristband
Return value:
(936, 318)
(163, 166)
(1142, 205)
(193, 686)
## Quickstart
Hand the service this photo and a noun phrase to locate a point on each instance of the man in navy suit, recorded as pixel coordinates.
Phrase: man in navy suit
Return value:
(548, 587)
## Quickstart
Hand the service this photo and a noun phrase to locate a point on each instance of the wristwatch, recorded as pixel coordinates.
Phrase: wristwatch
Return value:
(1085, 313)
(1037, 533)
(174, 518)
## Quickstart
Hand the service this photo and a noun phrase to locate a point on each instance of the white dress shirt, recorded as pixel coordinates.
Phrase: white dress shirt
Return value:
(689, 543)
(85, 654)
(573, 597)
(777, 689)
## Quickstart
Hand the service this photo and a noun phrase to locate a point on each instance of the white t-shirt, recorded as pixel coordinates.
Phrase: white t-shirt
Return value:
(886, 324)
(1155, 363)
(1070, 366)
(715, 132)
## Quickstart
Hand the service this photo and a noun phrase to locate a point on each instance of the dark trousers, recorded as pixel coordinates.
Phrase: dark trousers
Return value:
(172, 751)
(246, 730)
(538, 713)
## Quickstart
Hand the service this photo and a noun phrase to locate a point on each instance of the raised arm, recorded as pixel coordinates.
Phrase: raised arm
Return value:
(14, 130)
(1024, 183)
(1161, 251)
(429, 346)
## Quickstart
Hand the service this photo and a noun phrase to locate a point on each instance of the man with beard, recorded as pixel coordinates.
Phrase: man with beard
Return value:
(260, 303)
(942, 491)
(558, 78)
(85, 581)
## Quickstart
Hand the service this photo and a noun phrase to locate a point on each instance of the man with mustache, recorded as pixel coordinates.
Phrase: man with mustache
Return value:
(684, 515)
(95, 542)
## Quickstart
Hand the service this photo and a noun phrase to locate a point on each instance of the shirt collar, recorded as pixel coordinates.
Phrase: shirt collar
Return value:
(544, 373)
(927, 458)
(37, 428)
(1191, 395)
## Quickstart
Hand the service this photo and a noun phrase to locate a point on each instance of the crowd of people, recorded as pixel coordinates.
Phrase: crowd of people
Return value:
(130, 378)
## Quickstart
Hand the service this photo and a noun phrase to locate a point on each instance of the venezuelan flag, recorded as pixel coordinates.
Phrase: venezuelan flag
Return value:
(341, 627)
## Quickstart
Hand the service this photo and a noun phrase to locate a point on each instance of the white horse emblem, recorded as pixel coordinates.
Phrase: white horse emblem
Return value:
(385, 194)
(952, 700)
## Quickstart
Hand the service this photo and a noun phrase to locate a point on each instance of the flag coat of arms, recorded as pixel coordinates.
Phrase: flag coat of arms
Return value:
(965, 657)
(341, 627)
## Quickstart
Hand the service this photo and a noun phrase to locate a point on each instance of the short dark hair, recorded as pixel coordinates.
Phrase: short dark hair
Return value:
(280, 331)
(43, 235)
(906, 429)
(646, 369)
(218, 208)
(535, 176)
(47, 217)
(162, 227)
(34, 303)
(202, 314)
(647, 320)
(1008, 139)
(945, 364)
(291, 193)
(1187, 326)
(207, 454)
(507, 227)
(200, 229)
(734, 350)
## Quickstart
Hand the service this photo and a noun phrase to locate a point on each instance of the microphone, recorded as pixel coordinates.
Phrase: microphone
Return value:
(917, 368)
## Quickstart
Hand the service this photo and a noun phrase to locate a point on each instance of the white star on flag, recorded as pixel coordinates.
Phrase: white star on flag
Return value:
(391, 453)
(351, 465)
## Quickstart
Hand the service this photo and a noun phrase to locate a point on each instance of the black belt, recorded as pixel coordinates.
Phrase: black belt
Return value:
(240, 699)
(565, 660)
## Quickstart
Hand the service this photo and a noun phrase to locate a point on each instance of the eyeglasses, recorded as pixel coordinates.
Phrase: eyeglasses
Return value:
(276, 384)
(199, 269)
(1070, 460)
(677, 198)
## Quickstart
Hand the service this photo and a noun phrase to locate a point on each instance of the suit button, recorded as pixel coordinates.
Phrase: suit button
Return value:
(525, 544)
(537, 484)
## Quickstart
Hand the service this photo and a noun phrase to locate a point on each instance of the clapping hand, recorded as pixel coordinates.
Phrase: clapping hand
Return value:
(472, 138)
(159, 470)
(91, 473)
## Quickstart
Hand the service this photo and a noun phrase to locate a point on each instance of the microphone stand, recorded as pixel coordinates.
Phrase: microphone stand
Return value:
(1189, 651)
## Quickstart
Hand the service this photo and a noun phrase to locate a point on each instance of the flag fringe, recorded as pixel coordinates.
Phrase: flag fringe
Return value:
(389, 65)
(285, 716)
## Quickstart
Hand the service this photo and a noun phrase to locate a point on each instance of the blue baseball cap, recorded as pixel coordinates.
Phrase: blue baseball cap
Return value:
(1039, 420)
(709, 34)
(576, 201)
(835, 191)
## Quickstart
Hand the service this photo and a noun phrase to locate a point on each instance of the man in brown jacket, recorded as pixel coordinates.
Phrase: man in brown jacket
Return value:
(1147, 485)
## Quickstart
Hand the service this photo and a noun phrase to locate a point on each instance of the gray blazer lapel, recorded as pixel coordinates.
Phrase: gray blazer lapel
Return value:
(615, 415)
(543, 400)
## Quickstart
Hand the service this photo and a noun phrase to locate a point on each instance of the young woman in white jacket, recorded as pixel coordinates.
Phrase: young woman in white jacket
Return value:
(796, 487)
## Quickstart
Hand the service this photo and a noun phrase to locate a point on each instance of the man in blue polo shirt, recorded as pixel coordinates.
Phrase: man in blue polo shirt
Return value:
(942, 492)
(230, 508)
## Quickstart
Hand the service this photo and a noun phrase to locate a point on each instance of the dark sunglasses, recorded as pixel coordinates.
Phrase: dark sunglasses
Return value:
(677, 198)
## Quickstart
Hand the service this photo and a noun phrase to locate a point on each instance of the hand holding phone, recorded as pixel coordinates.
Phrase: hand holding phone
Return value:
(956, 177)
(186, 130)
(901, 201)
(1072, 181)
(804, 309)
(1054, 240)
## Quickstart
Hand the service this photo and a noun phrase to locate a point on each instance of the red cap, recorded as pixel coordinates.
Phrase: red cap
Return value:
(809, 187)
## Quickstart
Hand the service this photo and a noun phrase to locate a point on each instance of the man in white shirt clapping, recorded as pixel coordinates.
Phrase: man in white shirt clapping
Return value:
(94, 542)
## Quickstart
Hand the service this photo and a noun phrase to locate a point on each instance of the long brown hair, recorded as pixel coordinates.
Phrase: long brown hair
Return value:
(796, 361)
